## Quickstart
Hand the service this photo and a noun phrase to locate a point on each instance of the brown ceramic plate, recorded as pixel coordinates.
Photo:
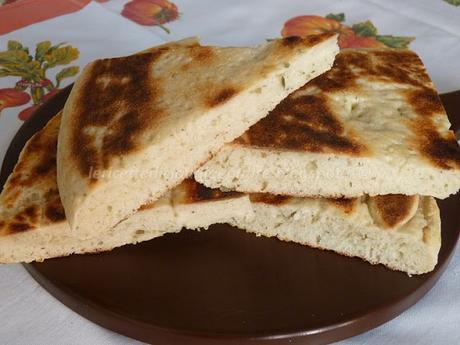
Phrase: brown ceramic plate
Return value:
(226, 286)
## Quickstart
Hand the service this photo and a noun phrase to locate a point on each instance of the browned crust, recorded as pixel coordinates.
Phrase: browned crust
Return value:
(402, 67)
(54, 211)
(40, 152)
(147, 206)
(15, 227)
(441, 150)
(305, 41)
(222, 96)
(347, 206)
(118, 96)
(303, 123)
(199, 55)
(36, 168)
(190, 191)
(271, 199)
(386, 65)
(202, 54)
(393, 209)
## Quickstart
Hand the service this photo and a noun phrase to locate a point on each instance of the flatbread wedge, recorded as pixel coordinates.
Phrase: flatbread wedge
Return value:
(33, 226)
(373, 124)
(400, 232)
(137, 126)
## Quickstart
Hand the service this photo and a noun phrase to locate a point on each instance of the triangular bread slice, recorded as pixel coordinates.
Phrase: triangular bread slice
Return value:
(373, 124)
(33, 225)
(135, 127)
(400, 232)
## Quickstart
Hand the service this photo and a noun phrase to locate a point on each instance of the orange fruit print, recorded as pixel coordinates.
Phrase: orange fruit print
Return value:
(360, 35)
(31, 67)
(11, 97)
(151, 12)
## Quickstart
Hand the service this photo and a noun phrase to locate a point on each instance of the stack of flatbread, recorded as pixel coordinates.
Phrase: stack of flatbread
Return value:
(278, 140)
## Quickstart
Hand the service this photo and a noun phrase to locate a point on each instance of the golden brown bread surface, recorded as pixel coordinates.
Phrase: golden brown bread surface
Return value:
(32, 182)
(305, 121)
(373, 124)
(391, 211)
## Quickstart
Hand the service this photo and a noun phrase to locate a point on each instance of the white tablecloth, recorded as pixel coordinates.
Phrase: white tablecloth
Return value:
(28, 314)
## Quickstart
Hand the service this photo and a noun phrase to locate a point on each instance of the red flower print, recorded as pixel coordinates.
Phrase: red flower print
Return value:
(360, 35)
(32, 67)
(27, 112)
(348, 39)
(310, 25)
(10, 97)
(151, 12)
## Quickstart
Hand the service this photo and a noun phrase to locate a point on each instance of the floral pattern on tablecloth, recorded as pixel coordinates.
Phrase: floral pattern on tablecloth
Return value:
(359, 35)
(151, 12)
(31, 67)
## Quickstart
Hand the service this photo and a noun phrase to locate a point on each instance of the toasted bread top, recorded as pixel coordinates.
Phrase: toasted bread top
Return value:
(304, 122)
(30, 197)
(373, 103)
(119, 105)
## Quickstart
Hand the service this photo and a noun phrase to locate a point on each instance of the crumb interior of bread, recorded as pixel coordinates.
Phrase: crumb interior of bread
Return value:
(247, 169)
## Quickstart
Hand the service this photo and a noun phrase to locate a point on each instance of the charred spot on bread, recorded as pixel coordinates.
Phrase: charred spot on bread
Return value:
(268, 198)
(221, 96)
(129, 81)
(202, 54)
(15, 227)
(306, 41)
(392, 210)
(441, 149)
(192, 191)
(425, 101)
(303, 123)
(54, 212)
(346, 205)
(291, 40)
